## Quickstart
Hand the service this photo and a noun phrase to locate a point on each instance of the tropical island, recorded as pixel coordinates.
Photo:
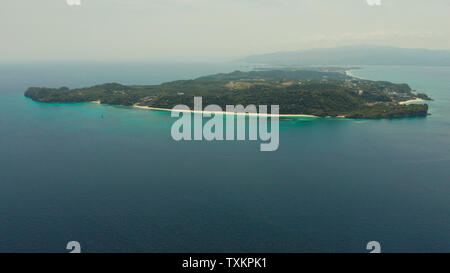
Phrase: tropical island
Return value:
(316, 92)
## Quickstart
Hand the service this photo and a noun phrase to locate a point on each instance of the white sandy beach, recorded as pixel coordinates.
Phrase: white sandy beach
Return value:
(225, 113)
(411, 101)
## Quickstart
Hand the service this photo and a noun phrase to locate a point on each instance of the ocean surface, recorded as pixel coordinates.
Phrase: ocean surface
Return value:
(121, 183)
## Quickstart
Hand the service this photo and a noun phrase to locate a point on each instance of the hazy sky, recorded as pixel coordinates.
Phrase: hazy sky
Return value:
(211, 29)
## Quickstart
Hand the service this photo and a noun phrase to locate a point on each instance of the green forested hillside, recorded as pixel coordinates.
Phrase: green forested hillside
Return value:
(295, 91)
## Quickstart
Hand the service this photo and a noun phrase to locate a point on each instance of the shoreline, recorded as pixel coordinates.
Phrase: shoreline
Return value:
(349, 73)
(224, 112)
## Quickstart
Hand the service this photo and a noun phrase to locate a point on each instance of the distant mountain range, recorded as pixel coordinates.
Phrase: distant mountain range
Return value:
(355, 55)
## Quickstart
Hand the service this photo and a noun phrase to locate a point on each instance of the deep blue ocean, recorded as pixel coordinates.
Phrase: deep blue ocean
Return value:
(121, 183)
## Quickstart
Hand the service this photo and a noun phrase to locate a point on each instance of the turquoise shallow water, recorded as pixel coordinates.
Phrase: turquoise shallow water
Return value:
(121, 184)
